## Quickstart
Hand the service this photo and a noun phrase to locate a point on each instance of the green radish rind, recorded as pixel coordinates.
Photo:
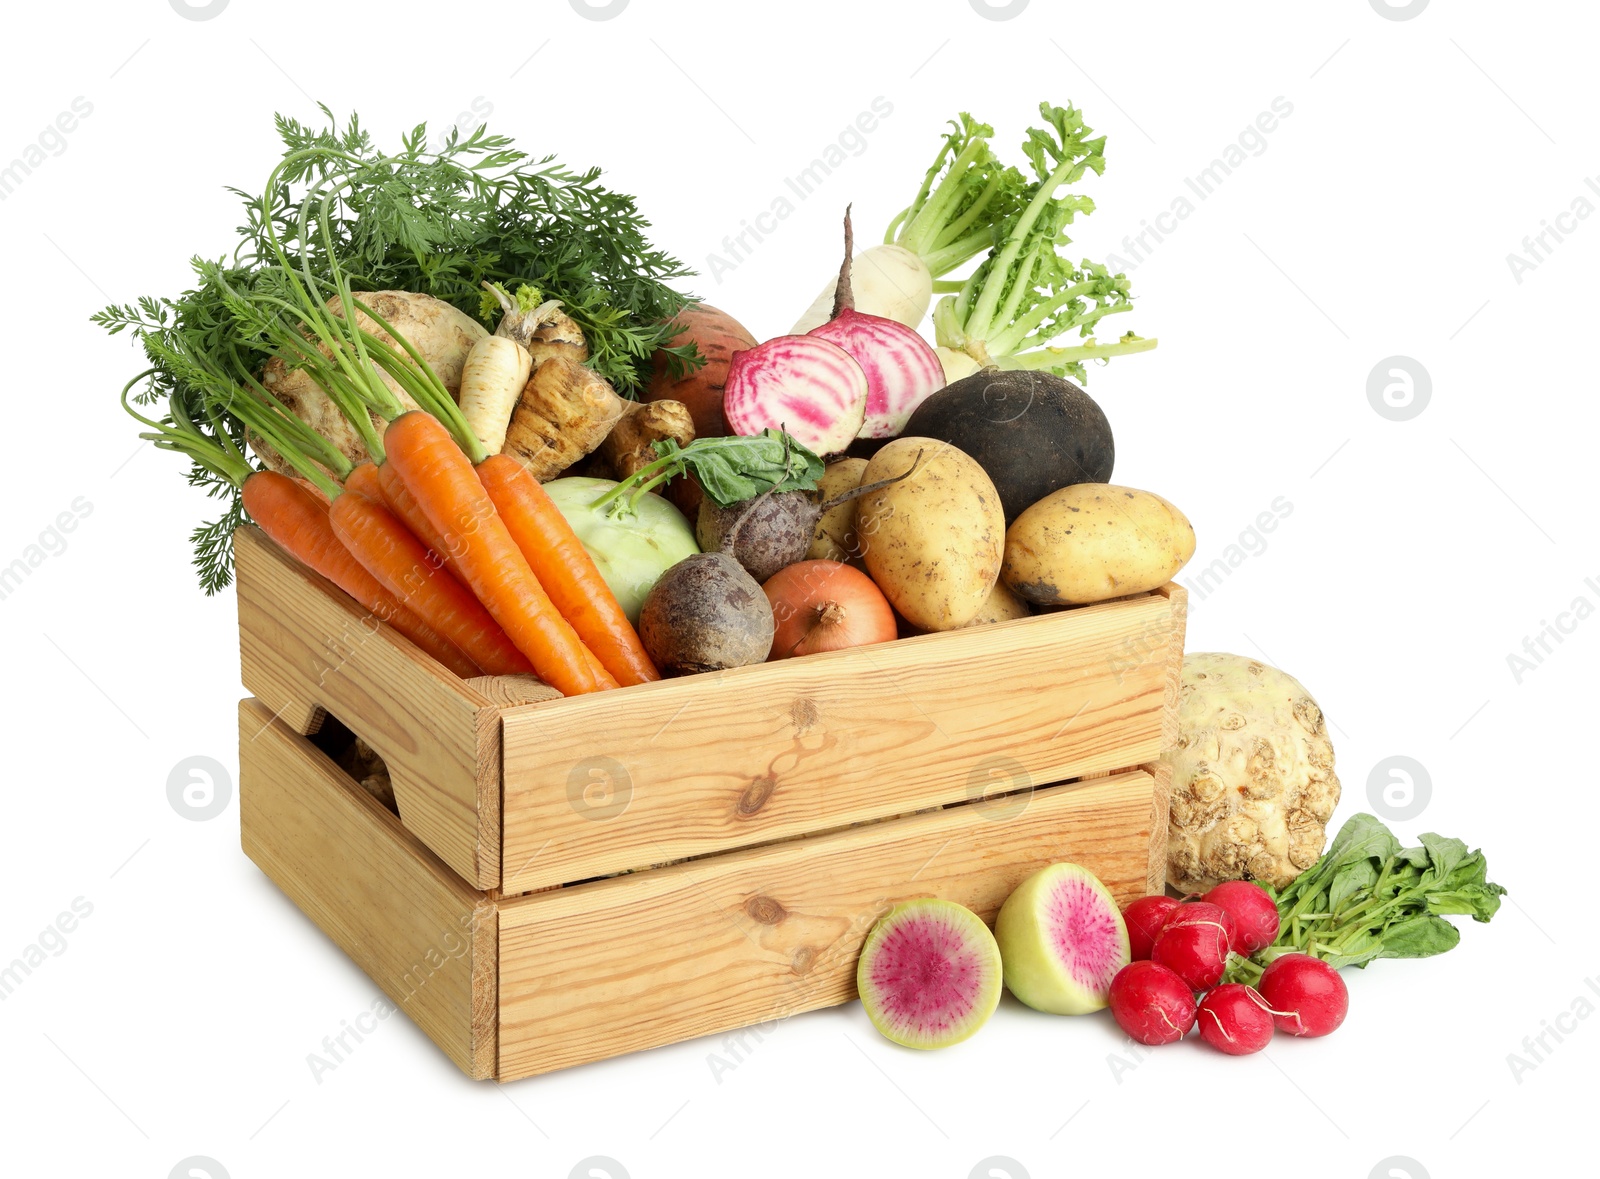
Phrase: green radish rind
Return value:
(981, 997)
(1035, 971)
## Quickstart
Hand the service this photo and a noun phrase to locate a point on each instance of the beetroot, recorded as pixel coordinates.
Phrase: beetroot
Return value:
(1254, 913)
(1151, 1004)
(1144, 918)
(1234, 1019)
(806, 385)
(1307, 996)
(902, 370)
(1194, 943)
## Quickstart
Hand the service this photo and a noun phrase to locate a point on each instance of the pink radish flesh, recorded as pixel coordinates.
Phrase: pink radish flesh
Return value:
(1083, 929)
(1151, 1004)
(1144, 918)
(929, 977)
(1254, 913)
(806, 385)
(1194, 944)
(902, 370)
(1307, 996)
(1234, 1019)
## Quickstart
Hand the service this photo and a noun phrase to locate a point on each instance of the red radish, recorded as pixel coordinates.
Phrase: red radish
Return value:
(806, 385)
(1151, 1004)
(1193, 944)
(1144, 918)
(902, 369)
(1254, 913)
(1234, 1019)
(1307, 996)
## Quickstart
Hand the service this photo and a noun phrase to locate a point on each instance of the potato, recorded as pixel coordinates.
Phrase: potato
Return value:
(1094, 541)
(835, 538)
(933, 542)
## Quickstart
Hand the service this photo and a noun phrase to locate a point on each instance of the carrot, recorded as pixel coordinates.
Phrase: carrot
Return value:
(363, 477)
(400, 563)
(443, 481)
(297, 519)
(565, 569)
(394, 493)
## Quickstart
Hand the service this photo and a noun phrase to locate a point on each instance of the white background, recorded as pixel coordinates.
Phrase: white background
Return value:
(1418, 555)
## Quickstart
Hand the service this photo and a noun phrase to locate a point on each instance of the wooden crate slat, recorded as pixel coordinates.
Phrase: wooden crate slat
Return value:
(746, 937)
(305, 645)
(736, 758)
(425, 938)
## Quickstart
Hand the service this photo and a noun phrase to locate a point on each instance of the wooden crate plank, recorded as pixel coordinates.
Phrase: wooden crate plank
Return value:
(652, 958)
(688, 767)
(425, 938)
(304, 645)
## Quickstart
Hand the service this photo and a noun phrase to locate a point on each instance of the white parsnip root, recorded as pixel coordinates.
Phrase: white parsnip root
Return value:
(542, 328)
(492, 379)
(565, 412)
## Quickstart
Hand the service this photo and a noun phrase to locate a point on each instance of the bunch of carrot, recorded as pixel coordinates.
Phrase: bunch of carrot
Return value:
(460, 551)
(474, 563)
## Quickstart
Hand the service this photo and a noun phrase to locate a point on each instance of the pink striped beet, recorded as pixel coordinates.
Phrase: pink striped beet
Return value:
(902, 370)
(806, 385)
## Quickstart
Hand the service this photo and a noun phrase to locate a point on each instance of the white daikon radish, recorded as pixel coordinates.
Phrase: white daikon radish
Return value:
(966, 192)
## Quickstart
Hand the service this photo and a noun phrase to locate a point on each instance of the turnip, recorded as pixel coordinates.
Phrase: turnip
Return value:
(1152, 1004)
(1254, 913)
(1235, 1019)
(1307, 996)
(1144, 919)
(1025, 293)
(902, 370)
(963, 196)
(1194, 944)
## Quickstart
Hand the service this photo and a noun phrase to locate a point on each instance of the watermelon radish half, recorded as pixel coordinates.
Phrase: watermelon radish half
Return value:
(929, 974)
(806, 385)
(1062, 940)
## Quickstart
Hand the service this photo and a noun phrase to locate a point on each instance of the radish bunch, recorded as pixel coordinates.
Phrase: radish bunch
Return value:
(856, 375)
(1181, 950)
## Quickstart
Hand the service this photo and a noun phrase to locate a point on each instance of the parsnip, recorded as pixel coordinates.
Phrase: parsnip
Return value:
(492, 379)
(542, 328)
(565, 411)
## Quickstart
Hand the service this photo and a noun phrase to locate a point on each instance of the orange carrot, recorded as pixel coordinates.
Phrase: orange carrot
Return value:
(400, 562)
(394, 493)
(363, 477)
(443, 481)
(297, 520)
(565, 569)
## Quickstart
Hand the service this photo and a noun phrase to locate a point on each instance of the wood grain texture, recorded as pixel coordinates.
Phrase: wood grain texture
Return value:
(1160, 772)
(688, 767)
(305, 645)
(637, 961)
(405, 918)
(1178, 597)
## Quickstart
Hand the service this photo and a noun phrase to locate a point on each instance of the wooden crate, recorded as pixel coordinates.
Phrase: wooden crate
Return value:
(514, 798)
(510, 986)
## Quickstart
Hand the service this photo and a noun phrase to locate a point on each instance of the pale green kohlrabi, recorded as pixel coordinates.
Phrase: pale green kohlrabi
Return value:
(632, 547)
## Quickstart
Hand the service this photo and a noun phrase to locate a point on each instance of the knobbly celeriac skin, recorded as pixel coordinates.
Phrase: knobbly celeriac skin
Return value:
(1253, 784)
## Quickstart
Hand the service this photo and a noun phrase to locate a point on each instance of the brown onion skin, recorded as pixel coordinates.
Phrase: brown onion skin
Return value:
(823, 605)
(718, 336)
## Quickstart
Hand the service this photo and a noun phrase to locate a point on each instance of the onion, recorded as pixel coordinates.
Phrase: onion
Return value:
(825, 606)
(902, 369)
